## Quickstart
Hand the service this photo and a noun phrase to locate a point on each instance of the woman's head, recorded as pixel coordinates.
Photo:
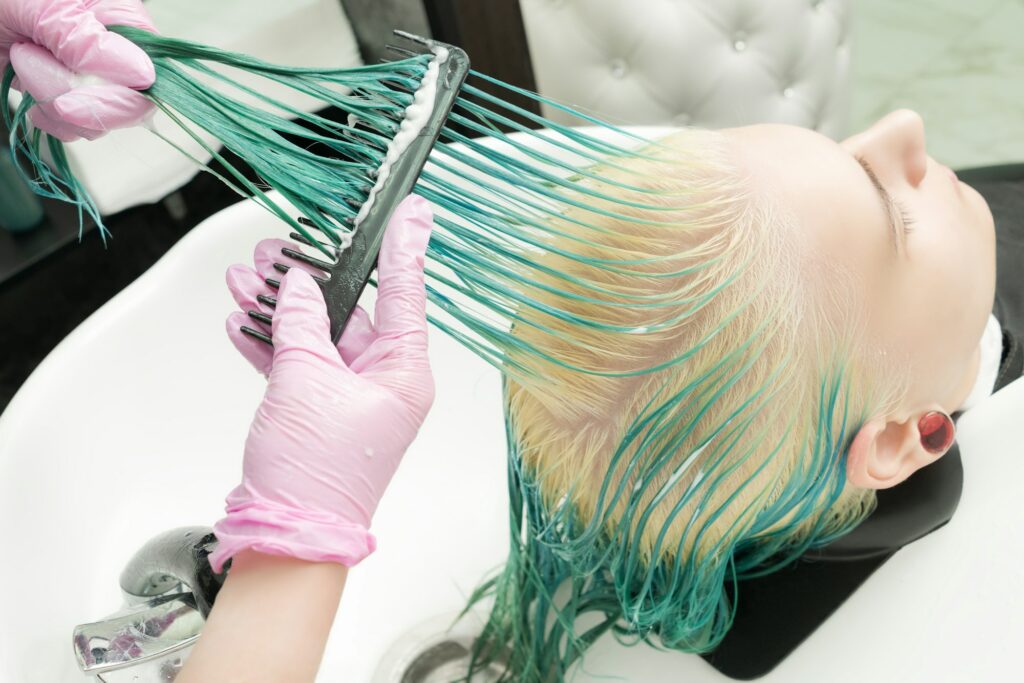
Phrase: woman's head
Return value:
(771, 243)
(709, 348)
(921, 244)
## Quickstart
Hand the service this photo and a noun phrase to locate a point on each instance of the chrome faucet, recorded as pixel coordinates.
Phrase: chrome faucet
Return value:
(169, 588)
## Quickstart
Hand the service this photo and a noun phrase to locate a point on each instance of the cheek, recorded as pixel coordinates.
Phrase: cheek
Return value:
(948, 287)
(955, 243)
(938, 285)
(959, 253)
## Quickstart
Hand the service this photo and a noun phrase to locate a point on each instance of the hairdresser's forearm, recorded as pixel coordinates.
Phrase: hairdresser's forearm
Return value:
(270, 622)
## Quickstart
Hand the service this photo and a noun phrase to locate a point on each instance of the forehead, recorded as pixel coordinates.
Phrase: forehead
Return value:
(820, 187)
(794, 157)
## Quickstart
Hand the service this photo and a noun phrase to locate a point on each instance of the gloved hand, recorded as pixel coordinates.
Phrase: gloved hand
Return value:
(334, 422)
(84, 77)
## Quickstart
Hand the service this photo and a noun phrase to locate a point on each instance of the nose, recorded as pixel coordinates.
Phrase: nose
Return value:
(894, 147)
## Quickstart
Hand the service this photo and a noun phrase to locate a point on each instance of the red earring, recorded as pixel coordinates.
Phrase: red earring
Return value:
(937, 431)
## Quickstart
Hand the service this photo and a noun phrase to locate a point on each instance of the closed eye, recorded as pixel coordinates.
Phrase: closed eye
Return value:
(893, 208)
(905, 218)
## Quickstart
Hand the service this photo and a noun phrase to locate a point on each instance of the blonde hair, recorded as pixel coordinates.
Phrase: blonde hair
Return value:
(694, 428)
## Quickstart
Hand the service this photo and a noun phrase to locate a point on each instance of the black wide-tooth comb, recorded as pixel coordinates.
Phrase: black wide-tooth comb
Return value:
(347, 276)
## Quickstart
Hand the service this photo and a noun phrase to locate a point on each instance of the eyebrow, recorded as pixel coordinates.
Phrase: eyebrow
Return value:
(888, 204)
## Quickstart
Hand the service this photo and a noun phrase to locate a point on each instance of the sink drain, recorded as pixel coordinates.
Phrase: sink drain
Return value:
(446, 662)
(435, 651)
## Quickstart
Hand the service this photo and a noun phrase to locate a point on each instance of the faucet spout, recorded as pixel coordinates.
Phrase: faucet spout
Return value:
(169, 589)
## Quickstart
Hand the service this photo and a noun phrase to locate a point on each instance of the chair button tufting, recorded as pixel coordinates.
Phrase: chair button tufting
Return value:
(739, 41)
(683, 119)
(788, 92)
(619, 68)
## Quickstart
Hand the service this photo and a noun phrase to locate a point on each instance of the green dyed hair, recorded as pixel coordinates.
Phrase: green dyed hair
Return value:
(682, 380)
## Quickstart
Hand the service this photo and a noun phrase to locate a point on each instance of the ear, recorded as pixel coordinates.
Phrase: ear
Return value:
(885, 452)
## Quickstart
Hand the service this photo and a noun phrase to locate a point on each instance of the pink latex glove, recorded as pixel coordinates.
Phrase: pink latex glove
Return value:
(85, 78)
(335, 421)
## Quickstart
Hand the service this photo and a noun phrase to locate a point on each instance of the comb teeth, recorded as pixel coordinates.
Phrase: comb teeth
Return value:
(400, 50)
(348, 275)
(271, 301)
(284, 268)
(302, 238)
(256, 334)
(304, 258)
(261, 317)
(426, 42)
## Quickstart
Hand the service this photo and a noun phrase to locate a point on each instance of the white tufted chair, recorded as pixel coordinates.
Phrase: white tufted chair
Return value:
(710, 63)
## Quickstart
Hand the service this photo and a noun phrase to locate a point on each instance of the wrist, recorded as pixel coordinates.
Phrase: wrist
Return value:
(270, 621)
(271, 528)
(252, 563)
